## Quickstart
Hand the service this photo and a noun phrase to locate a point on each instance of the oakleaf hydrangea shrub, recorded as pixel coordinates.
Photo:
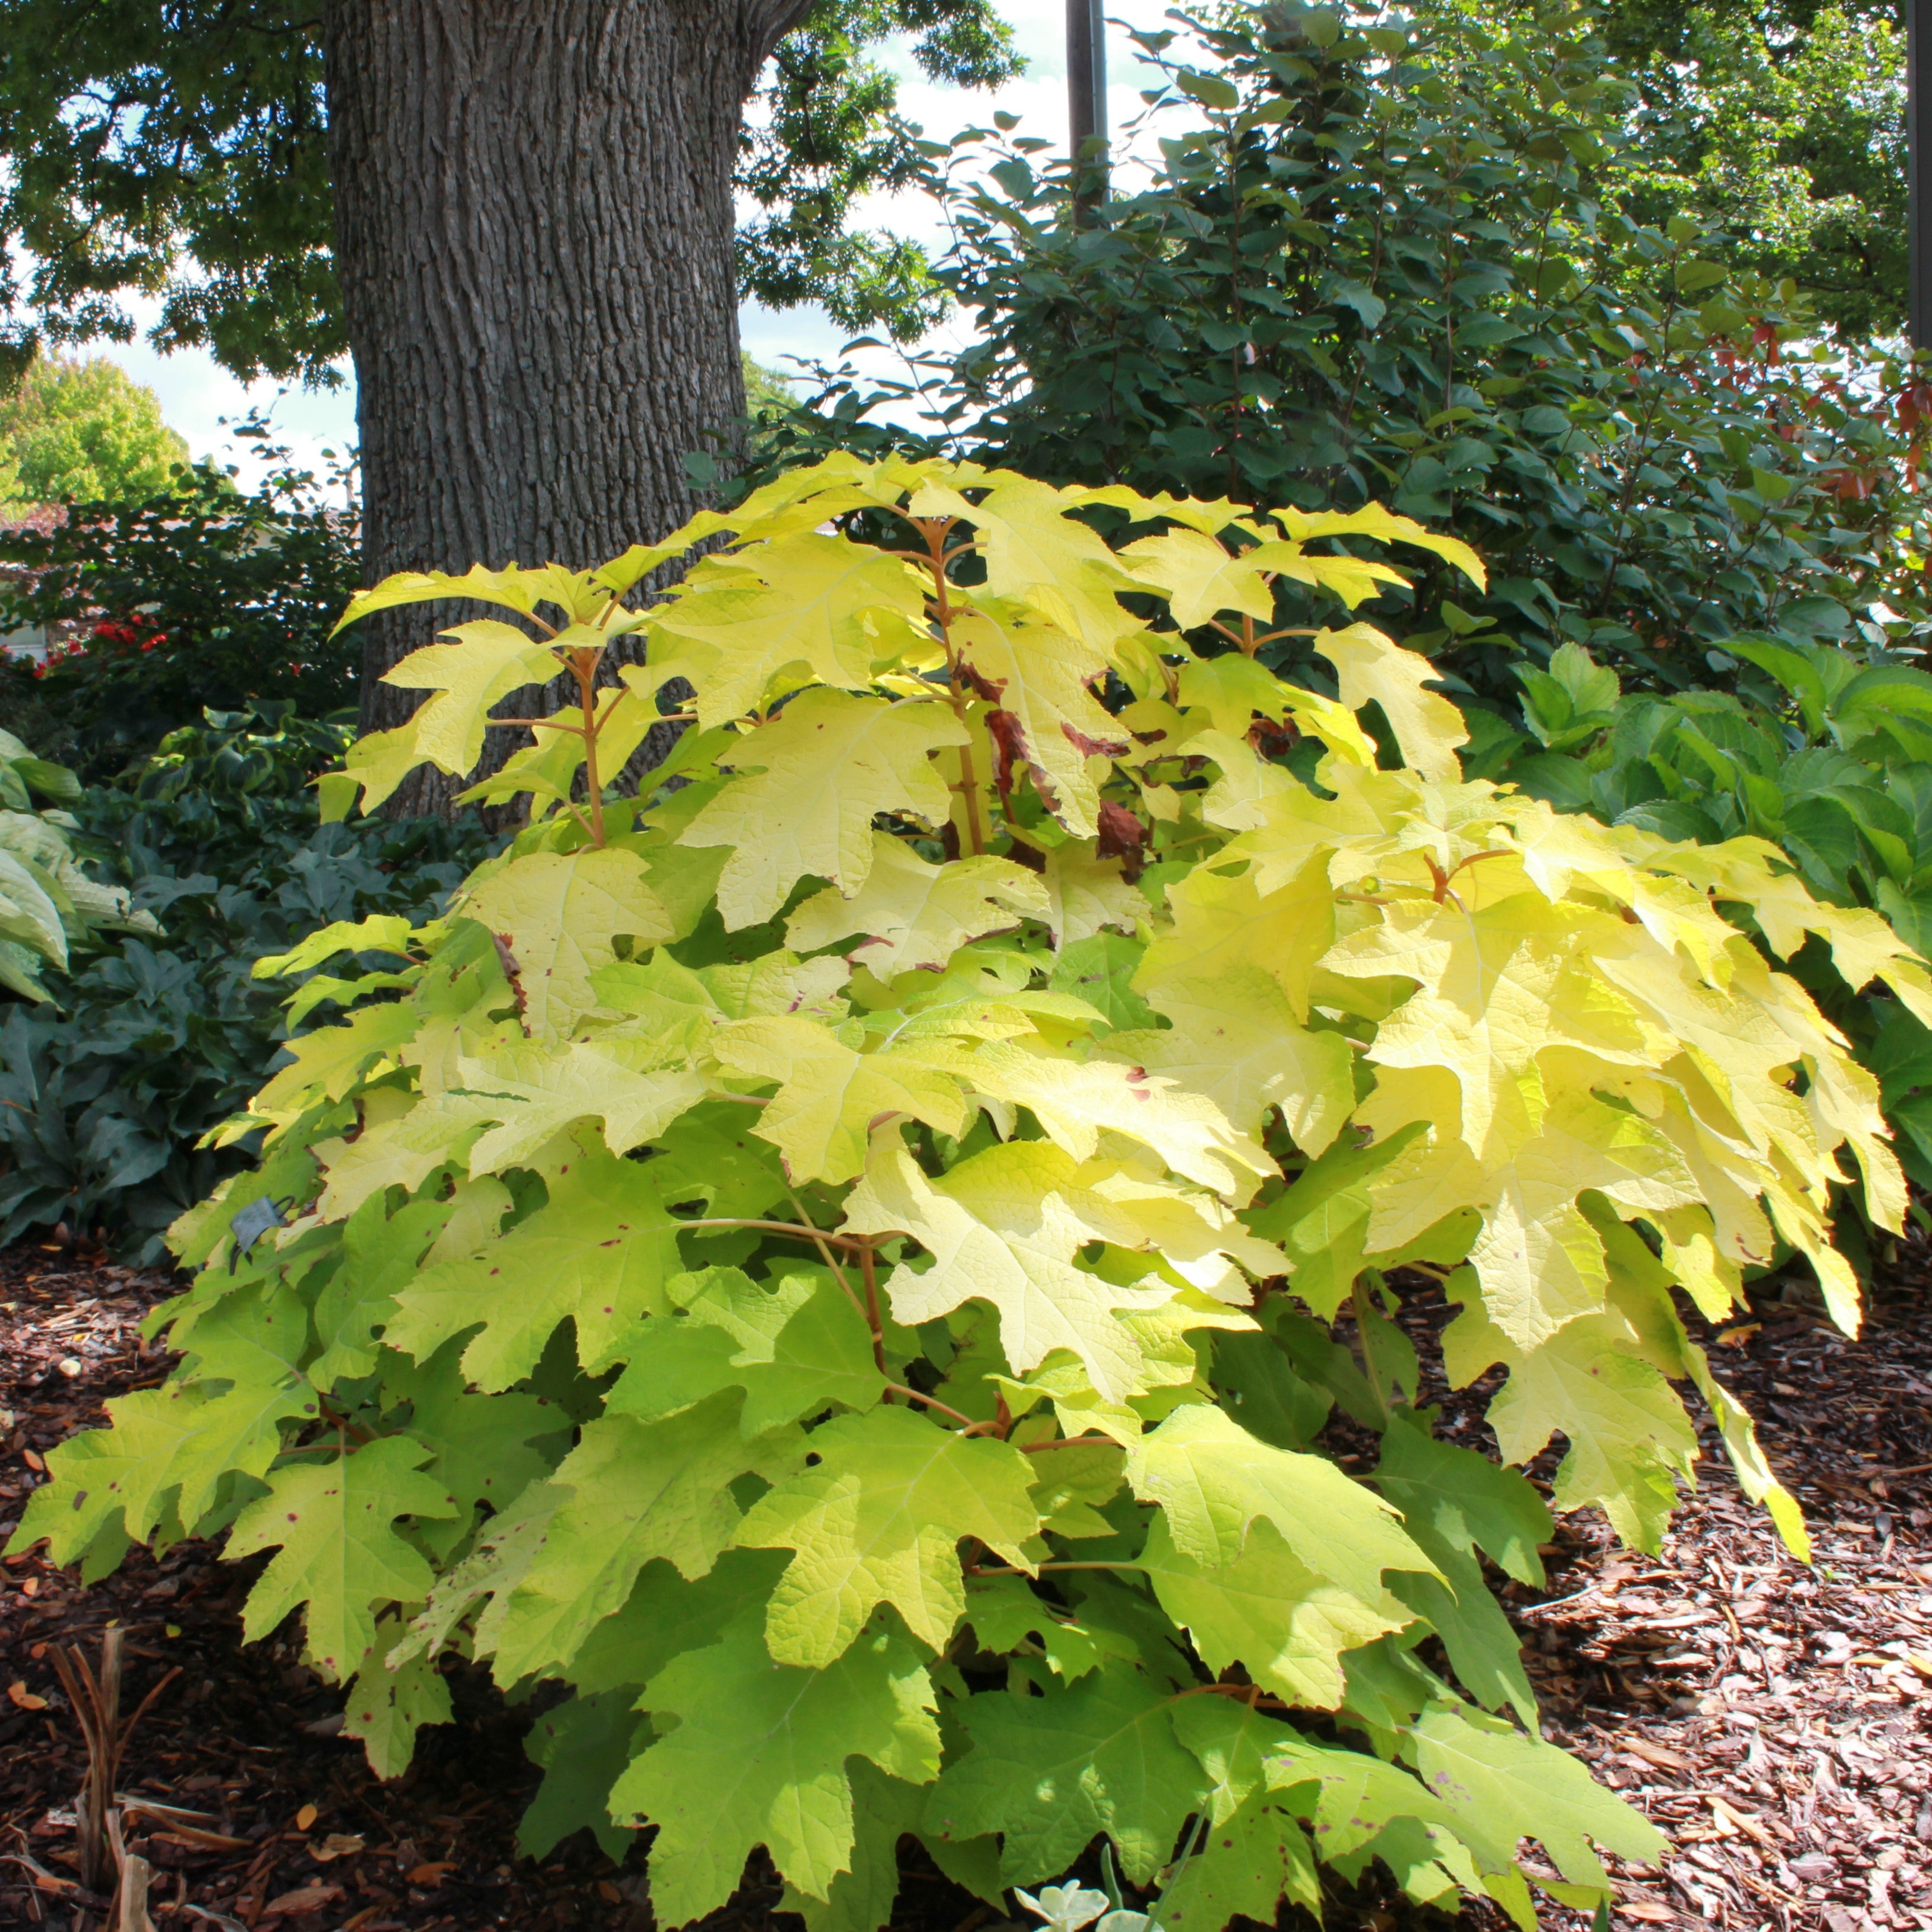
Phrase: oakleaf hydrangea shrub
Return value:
(834, 1260)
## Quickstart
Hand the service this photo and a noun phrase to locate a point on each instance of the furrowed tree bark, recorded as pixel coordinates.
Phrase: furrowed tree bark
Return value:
(534, 233)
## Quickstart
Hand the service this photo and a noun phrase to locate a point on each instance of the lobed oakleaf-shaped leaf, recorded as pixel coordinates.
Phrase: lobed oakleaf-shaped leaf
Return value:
(877, 1519)
(483, 664)
(560, 914)
(1036, 675)
(598, 1253)
(1427, 727)
(914, 914)
(1006, 1227)
(1629, 1439)
(823, 605)
(830, 1095)
(1267, 1611)
(1198, 577)
(384, 1708)
(1235, 1039)
(760, 1756)
(635, 1491)
(1050, 1773)
(1213, 1479)
(812, 781)
(794, 1348)
(340, 1553)
(1503, 1785)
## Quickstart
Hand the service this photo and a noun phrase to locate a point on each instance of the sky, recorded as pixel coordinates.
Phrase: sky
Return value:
(196, 394)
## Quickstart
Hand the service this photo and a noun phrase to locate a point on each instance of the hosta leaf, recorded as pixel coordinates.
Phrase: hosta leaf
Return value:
(812, 779)
(1213, 1479)
(340, 1554)
(1051, 1772)
(913, 914)
(560, 914)
(598, 1253)
(759, 1756)
(795, 1348)
(877, 1520)
(637, 1490)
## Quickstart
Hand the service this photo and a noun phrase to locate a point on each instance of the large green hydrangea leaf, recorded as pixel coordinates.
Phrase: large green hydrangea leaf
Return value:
(759, 1756)
(877, 1519)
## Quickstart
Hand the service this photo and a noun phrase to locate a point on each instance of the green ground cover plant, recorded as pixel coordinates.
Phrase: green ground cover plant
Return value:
(842, 1261)
(132, 1040)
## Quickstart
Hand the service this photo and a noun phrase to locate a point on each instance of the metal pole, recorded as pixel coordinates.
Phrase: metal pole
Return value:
(1918, 149)
(1087, 92)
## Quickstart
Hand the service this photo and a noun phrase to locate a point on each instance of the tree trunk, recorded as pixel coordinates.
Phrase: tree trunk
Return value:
(534, 232)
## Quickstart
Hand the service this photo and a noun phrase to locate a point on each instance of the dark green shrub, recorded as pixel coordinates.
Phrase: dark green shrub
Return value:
(105, 1091)
(1396, 263)
(206, 598)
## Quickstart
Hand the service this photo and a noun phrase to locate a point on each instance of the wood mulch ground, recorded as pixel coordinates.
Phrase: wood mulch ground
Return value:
(1774, 1720)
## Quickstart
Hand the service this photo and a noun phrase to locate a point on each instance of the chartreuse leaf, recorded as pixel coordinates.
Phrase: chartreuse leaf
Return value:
(170, 1446)
(1050, 1772)
(795, 1348)
(381, 1253)
(1252, 1852)
(1427, 727)
(830, 1095)
(759, 1756)
(486, 660)
(597, 1254)
(877, 1520)
(1265, 1608)
(911, 914)
(1007, 1227)
(1453, 1502)
(1502, 1786)
(620, 1082)
(385, 1708)
(1037, 675)
(583, 1747)
(635, 1491)
(340, 1553)
(1629, 1439)
(812, 779)
(1214, 1479)
(1236, 1039)
(816, 604)
(861, 1899)
(560, 914)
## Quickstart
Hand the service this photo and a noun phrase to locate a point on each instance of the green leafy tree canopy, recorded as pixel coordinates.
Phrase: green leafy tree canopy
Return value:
(85, 432)
(183, 151)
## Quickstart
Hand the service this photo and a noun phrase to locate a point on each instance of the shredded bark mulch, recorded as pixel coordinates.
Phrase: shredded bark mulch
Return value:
(1774, 1720)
